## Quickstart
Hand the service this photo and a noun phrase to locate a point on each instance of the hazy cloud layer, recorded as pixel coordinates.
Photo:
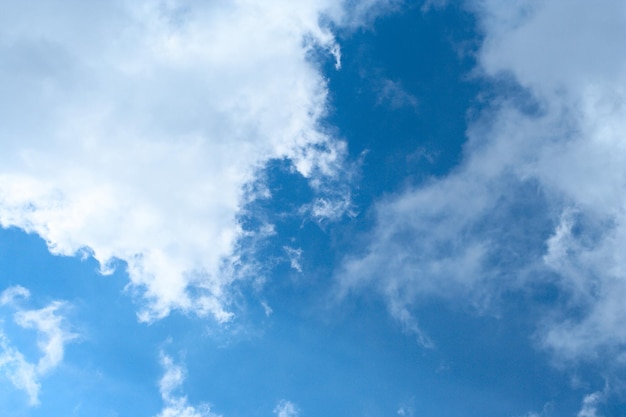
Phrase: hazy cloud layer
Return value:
(539, 197)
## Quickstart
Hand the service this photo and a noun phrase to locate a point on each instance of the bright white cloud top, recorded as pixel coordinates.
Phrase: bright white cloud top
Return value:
(135, 130)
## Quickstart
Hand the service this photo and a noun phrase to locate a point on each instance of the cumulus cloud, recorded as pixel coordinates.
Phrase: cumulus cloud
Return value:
(177, 405)
(132, 130)
(52, 336)
(539, 196)
(286, 408)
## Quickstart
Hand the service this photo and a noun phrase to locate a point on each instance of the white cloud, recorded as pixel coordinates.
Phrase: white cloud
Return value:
(407, 409)
(177, 405)
(294, 255)
(52, 336)
(21, 373)
(133, 129)
(266, 308)
(554, 47)
(286, 408)
(540, 196)
(12, 293)
(590, 405)
(575, 149)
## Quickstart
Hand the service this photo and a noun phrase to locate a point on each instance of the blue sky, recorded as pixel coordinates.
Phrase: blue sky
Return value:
(315, 208)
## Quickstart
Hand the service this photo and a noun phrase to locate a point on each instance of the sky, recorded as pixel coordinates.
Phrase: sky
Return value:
(369, 208)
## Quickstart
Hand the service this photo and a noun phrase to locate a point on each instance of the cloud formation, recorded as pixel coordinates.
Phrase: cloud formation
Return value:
(539, 197)
(286, 408)
(9, 295)
(52, 336)
(170, 383)
(18, 370)
(590, 405)
(134, 130)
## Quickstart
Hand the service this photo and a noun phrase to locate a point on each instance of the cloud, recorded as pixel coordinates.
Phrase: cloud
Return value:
(393, 94)
(52, 336)
(547, 411)
(294, 255)
(286, 408)
(12, 293)
(574, 149)
(133, 130)
(590, 405)
(21, 373)
(176, 405)
(539, 196)
(266, 308)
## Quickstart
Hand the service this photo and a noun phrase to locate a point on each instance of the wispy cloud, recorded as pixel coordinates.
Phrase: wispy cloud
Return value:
(286, 408)
(21, 373)
(52, 336)
(12, 293)
(540, 194)
(590, 405)
(393, 94)
(176, 405)
(294, 256)
(574, 149)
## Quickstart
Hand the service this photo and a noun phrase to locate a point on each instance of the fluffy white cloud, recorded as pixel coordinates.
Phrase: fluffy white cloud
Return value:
(131, 131)
(540, 196)
(286, 408)
(175, 405)
(52, 336)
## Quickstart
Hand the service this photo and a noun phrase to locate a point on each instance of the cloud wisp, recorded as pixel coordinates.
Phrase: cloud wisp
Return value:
(539, 197)
(286, 408)
(52, 336)
(177, 405)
